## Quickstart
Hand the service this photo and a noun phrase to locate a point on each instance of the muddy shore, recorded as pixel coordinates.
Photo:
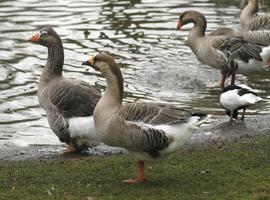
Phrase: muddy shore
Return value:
(218, 132)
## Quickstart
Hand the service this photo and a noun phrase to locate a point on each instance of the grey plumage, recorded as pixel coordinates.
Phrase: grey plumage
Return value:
(63, 99)
(148, 130)
(239, 48)
(259, 37)
(74, 98)
(248, 18)
(154, 113)
(259, 23)
(140, 126)
(230, 53)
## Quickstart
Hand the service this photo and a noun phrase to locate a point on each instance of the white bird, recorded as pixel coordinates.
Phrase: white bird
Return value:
(236, 97)
(148, 130)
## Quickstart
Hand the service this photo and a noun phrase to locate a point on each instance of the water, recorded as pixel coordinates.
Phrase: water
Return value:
(140, 34)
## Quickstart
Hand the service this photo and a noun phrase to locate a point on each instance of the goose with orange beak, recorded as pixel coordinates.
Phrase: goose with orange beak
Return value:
(69, 103)
(149, 131)
(230, 54)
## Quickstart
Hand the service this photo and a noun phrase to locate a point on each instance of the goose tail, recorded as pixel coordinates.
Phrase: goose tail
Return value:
(198, 118)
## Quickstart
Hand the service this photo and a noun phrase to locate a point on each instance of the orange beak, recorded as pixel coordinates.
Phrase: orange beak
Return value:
(91, 61)
(34, 38)
(179, 25)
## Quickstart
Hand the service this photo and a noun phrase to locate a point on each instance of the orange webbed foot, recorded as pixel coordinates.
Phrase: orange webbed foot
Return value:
(70, 149)
(134, 181)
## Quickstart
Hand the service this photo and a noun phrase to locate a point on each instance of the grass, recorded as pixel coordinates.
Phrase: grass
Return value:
(237, 171)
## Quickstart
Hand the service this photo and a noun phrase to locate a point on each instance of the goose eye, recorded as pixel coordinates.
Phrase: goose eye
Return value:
(42, 33)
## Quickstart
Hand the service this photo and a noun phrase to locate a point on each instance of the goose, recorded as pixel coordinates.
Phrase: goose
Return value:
(261, 37)
(236, 97)
(248, 18)
(228, 53)
(68, 103)
(150, 131)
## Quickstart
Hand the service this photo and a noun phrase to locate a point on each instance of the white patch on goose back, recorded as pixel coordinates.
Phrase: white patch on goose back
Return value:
(265, 54)
(254, 65)
(83, 127)
(180, 132)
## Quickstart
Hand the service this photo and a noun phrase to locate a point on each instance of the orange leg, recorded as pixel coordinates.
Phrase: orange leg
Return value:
(268, 63)
(141, 176)
(70, 149)
(222, 82)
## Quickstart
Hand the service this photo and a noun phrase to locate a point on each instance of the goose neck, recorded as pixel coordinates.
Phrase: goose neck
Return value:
(55, 60)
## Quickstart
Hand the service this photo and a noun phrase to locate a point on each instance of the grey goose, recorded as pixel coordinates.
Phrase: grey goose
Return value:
(261, 37)
(148, 130)
(68, 103)
(228, 53)
(249, 19)
(236, 97)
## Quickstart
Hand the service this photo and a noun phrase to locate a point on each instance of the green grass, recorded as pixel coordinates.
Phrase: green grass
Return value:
(237, 171)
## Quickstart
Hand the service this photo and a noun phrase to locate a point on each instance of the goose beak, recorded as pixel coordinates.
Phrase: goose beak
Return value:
(85, 63)
(90, 63)
(179, 25)
(34, 38)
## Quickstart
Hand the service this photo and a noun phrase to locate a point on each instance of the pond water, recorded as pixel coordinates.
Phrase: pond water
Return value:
(140, 34)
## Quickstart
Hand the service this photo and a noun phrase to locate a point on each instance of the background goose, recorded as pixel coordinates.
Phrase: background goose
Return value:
(236, 97)
(248, 18)
(228, 53)
(261, 37)
(148, 130)
(68, 103)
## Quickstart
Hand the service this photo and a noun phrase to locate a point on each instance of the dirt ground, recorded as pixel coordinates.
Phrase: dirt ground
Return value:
(218, 132)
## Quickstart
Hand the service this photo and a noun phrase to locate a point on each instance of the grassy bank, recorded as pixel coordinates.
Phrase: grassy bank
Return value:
(237, 171)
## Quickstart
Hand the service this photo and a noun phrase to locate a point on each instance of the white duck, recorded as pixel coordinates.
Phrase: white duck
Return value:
(148, 130)
(236, 97)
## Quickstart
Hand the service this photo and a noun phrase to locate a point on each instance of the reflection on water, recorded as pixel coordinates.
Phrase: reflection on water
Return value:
(156, 64)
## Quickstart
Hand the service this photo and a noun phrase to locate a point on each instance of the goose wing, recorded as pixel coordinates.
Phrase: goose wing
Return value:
(74, 98)
(261, 22)
(154, 114)
(238, 48)
(140, 137)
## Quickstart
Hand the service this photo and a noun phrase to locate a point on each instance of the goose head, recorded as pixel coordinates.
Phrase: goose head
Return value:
(46, 37)
(102, 62)
(253, 3)
(191, 16)
(106, 64)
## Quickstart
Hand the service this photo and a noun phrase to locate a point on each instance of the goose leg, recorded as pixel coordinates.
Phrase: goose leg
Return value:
(70, 149)
(268, 63)
(243, 114)
(233, 79)
(232, 116)
(141, 176)
(222, 81)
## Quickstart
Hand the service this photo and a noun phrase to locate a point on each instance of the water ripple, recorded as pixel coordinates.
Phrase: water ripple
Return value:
(141, 35)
